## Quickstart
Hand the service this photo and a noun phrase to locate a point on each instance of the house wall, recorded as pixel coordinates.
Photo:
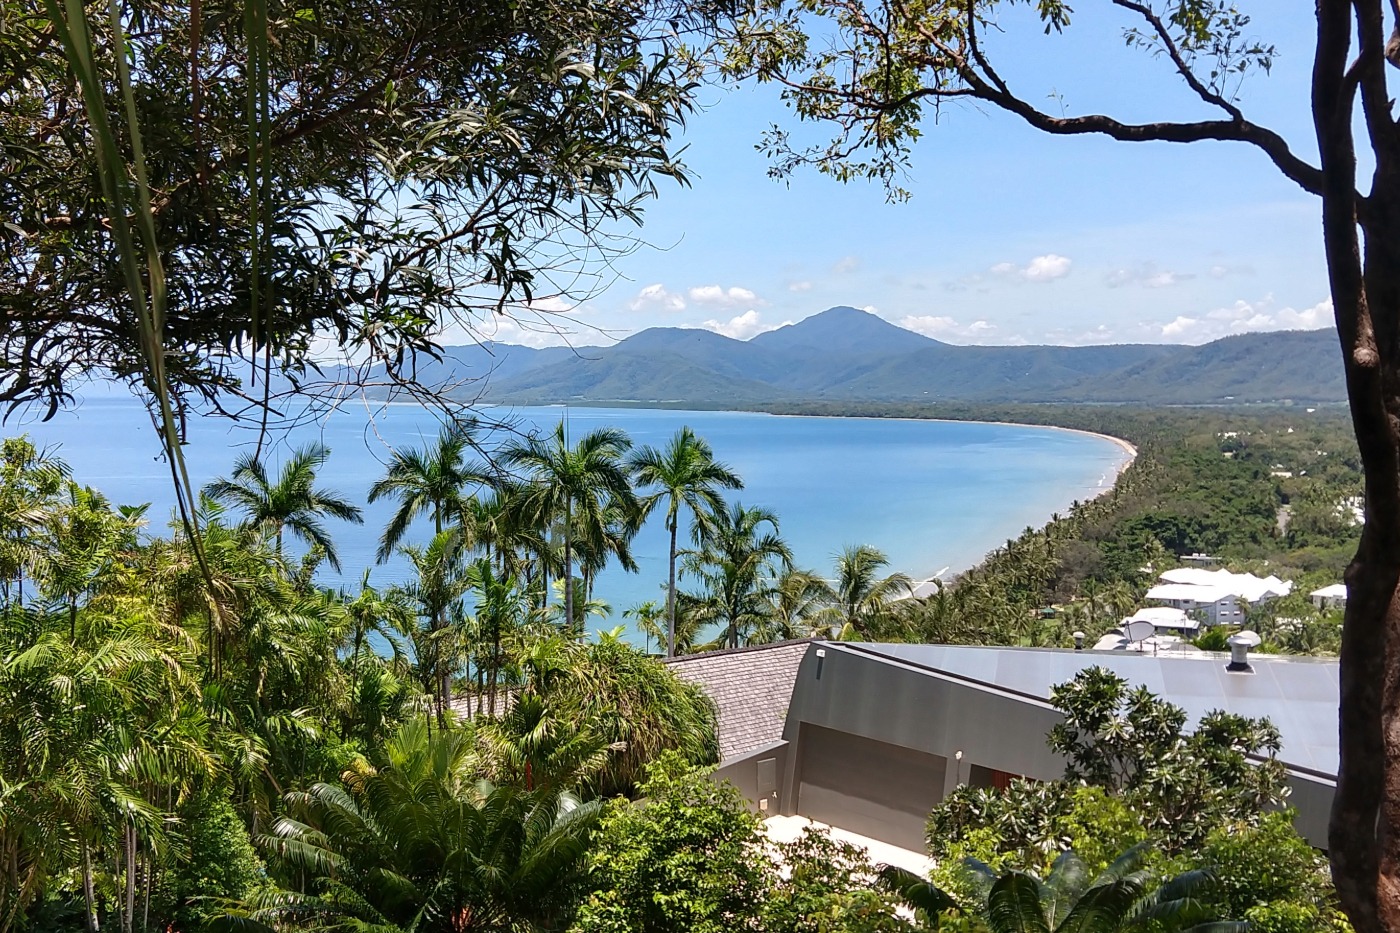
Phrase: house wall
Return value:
(758, 774)
(862, 711)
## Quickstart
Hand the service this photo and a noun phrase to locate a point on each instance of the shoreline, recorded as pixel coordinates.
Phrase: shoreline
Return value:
(948, 572)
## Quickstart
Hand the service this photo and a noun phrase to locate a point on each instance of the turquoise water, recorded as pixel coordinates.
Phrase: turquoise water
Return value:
(933, 495)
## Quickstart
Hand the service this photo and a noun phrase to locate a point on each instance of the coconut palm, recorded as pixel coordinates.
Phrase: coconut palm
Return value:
(684, 474)
(500, 610)
(796, 601)
(582, 487)
(291, 503)
(739, 560)
(420, 844)
(860, 601)
(437, 591)
(433, 480)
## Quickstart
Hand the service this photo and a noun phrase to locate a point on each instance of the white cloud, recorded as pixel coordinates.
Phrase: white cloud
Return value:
(1045, 268)
(940, 326)
(846, 265)
(1148, 275)
(742, 327)
(870, 309)
(656, 297)
(1180, 326)
(1318, 316)
(720, 297)
(799, 286)
(1245, 317)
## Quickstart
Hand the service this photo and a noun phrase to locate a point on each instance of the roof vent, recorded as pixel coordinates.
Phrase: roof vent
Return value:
(1240, 643)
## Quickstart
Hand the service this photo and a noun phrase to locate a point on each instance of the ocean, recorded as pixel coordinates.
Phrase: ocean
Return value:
(935, 496)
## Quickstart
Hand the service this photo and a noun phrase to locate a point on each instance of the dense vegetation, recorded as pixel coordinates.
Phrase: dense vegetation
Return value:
(179, 738)
(1264, 490)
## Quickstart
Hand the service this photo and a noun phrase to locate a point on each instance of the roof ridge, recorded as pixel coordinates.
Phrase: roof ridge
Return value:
(746, 649)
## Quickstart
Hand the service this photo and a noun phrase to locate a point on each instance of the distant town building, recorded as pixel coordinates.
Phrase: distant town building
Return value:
(1330, 597)
(1212, 605)
(1213, 596)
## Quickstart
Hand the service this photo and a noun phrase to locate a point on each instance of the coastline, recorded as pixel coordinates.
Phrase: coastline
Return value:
(1128, 450)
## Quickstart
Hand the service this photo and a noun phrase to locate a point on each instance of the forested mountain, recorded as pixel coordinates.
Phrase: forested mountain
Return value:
(848, 354)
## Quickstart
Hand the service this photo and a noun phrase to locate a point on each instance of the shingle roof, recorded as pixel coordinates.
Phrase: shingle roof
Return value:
(751, 688)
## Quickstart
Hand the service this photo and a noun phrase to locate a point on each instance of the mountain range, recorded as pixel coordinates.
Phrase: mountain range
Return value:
(845, 354)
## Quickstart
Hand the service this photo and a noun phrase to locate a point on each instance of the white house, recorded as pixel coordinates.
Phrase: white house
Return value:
(1330, 597)
(1215, 605)
(1165, 619)
(1244, 585)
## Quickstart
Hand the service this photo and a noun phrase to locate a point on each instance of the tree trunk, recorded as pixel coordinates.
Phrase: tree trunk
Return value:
(1364, 836)
(89, 897)
(568, 571)
(129, 872)
(495, 668)
(671, 596)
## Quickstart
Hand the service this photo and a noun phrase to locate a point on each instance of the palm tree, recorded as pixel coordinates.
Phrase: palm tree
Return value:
(432, 480)
(421, 844)
(1121, 898)
(738, 562)
(684, 474)
(500, 610)
(861, 600)
(438, 592)
(579, 486)
(292, 503)
(796, 603)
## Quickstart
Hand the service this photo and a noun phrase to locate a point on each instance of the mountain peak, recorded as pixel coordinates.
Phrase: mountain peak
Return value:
(852, 329)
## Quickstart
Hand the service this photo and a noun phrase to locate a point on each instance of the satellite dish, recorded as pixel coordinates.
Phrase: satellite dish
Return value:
(1247, 638)
(1139, 630)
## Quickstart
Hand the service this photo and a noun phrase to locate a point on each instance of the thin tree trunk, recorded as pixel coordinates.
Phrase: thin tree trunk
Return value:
(671, 596)
(495, 669)
(129, 914)
(568, 570)
(89, 897)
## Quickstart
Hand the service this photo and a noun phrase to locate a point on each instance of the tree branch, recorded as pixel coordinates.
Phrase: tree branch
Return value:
(1155, 21)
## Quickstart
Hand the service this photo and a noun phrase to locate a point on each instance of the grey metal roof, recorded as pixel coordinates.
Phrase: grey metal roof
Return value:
(751, 687)
(1299, 695)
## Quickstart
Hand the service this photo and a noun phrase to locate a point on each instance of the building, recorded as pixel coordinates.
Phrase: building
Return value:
(873, 736)
(1213, 596)
(1165, 619)
(1244, 585)
(1330, 597)
(1212, 605)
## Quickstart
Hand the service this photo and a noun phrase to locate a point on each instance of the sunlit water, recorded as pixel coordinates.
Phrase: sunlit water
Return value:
(933, 495)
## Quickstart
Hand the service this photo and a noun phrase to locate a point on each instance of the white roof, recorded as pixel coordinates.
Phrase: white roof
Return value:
(1157, 645)
(1176, 592)
(1334, 591)
(1245, 585)
(1163, 617)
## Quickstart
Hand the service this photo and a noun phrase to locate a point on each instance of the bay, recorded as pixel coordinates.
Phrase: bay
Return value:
(935, 496)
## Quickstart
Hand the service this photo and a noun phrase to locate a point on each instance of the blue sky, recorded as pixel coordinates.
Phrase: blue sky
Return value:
(1012, 236)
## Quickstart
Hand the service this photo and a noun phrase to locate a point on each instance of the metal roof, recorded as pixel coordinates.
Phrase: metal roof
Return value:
(1299, 695)
(1183, 592)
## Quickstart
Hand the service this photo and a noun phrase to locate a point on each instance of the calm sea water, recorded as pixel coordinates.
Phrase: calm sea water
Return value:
(934, 496)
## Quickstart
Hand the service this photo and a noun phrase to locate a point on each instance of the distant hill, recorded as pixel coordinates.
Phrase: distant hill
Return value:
(847, 354)
(857, 332)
